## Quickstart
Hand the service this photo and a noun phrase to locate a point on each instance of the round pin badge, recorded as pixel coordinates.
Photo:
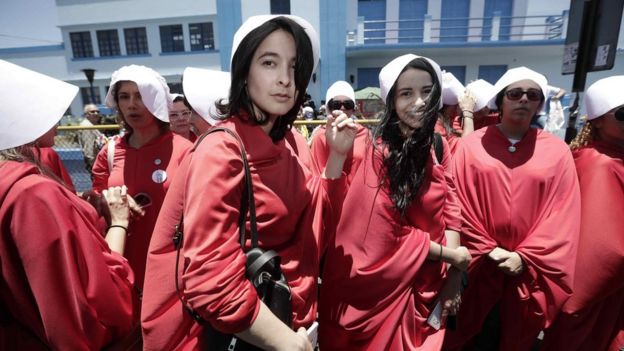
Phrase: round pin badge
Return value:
(157, 161)
(159, 176)
(511, 149)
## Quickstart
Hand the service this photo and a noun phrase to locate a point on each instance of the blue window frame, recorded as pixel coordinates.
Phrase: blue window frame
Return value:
(373, 10)
(454, 24)
(108, 42)
(504, 7)
(458, 71)
(412, 19)
(202, 36)
(136, 41)
(81, 44)
(171, 38)
(492, 73)
(368, 77)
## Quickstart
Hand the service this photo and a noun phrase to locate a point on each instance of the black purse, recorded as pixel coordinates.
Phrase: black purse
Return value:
(262, 269)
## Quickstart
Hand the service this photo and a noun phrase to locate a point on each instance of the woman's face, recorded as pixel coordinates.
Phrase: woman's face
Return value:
(412, 91)
(131, 106)
(271, 79)
(517, 113)
(609, 129)
(180, 118)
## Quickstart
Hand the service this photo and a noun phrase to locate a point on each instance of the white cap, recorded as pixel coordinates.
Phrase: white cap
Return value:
(203, 87)
(390, 73)
(254, 22)
(152, 86)
(32, 103)
(517, 74)
(482, 91)
(340, 88)
(603, 96)
(452, 89)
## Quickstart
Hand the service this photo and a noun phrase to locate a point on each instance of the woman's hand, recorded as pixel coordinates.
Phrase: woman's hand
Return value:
(467, 101)
(508, 261)
(340, 131)
(450, 294)
(119, 206)
(461, 258)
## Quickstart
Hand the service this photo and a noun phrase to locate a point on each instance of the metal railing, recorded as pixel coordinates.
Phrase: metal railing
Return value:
(459, 29)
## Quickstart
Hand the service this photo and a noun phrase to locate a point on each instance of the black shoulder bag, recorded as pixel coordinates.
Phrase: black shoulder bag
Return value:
(262, 269)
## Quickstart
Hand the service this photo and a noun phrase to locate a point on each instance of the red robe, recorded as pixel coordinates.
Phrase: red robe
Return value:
(378, 288)
(593, 318)
(136, 168)
(488, 120)
(320, 151)
(292, 206)
(62, 288)
(51, 160)
(527, 201)
(453, 140)
(299, 144)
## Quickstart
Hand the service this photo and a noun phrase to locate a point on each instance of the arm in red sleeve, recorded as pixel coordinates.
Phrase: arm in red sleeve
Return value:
(214, 280)
(100, 171)
(474, 234)
(319, 149)
(452, 211)
(83, 292)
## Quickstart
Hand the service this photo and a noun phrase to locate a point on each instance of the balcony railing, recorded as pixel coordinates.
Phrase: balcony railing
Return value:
(465, 29)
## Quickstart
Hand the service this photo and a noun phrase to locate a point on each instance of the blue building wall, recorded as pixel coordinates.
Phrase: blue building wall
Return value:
(229, 20)
(333, 43)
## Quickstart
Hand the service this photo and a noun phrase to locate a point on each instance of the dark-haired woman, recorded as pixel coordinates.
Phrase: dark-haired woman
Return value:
(520, 208)
(593, 317)
(384, 268)
(272, 63)
(145, 158)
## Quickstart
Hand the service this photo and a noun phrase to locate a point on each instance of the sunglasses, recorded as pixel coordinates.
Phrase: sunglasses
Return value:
(336, 104)
(619, 114)
(516, 94)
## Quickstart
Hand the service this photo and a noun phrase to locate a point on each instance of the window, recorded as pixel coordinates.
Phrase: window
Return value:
(175, 88)
(280, 7)
(368, 77)
(85, 93)
(81, 44)
(412, 18)
(202, 37)
(458, 71)
(136, 41)
(374, 33)
(171, 38)
(454, 24)
(492, 73)
(504, 8)
(108, 42)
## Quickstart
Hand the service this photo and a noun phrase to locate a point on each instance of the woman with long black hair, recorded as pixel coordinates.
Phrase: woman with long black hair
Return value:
(384, 268)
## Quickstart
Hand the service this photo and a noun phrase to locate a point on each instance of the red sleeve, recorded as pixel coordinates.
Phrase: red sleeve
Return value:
(319, 149)
(100, 171)
(83, 291)
(452, 211)
(214, 280)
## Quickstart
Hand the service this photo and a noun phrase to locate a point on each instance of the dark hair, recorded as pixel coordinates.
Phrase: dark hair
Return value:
(239, 100)
(182, 98)
(120, 117)
(406, 158)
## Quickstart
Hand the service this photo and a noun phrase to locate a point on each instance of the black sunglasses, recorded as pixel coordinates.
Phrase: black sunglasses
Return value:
(619, 114)
(516, 94)
(336, 104)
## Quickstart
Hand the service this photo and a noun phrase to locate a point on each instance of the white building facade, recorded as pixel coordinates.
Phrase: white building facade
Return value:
(470, 38)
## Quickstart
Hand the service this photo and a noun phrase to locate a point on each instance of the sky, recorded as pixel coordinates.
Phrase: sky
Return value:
(28, 23)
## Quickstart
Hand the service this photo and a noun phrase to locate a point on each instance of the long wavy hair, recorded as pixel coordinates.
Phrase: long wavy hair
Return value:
(406, 158)
(584, 137)
(240, 101)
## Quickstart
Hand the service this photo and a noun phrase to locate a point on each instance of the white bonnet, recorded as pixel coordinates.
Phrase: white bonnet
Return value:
(152, 86)
(340, 88)
(603, 96)
(203, 87)
(452, 89)
(391, 71)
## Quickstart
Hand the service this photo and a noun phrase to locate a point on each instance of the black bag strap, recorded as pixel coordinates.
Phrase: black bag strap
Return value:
(247, 206)
(438, 147)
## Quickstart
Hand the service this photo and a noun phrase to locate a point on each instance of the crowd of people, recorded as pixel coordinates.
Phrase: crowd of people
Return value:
(456, 223)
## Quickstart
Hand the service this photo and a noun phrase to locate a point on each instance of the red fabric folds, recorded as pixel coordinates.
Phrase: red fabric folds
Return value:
(525, 201)
(378, 289)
